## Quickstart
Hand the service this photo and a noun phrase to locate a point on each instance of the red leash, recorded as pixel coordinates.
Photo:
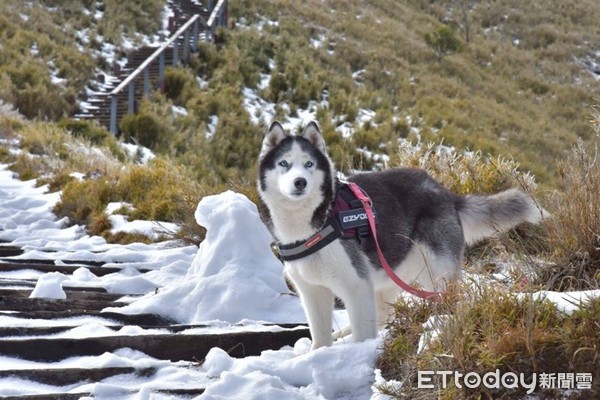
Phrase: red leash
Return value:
(366, 202)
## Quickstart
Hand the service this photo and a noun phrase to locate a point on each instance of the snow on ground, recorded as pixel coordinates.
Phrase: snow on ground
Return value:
(232, 282)
(137, 152)
(153, 229)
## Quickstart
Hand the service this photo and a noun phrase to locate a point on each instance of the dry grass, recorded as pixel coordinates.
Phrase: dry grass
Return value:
(574, 231)
(482, 329)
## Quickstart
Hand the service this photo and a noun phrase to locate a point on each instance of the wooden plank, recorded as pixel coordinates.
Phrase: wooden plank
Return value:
(137, 319)
(71, 294)
(51, 330)
(84, 263)
(40, 304)
(49, 396)
(30, 283)
(10, 251)
(166, 347)
(69, 376)
(66, 269)
(178, 393)
(33, 330)
(8, 282)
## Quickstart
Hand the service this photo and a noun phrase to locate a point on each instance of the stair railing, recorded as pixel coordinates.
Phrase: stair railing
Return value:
(218, 17)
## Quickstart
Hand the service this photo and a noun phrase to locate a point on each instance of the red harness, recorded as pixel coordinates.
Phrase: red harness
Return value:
(368, 206)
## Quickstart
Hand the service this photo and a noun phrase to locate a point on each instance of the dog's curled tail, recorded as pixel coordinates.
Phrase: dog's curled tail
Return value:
(482, 216)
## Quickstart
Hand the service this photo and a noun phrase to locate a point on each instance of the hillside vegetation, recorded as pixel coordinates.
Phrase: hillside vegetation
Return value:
(515, 83)
(505, 77)
(51, 49)
(518, 82)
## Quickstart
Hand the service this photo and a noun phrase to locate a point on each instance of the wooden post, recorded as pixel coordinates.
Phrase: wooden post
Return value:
(113, 114)
(131, 98)
(186, 47)
(196, 35)
(175, 53)
(147, 82)
(161, 72)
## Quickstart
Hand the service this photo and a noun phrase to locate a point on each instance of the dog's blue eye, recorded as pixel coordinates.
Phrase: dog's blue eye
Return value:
(283, 164)
(309, 164)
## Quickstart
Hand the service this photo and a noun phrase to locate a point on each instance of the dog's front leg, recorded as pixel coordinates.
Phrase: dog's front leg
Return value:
(318, 305)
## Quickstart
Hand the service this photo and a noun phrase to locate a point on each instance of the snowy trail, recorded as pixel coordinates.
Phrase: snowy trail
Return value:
(229, 286)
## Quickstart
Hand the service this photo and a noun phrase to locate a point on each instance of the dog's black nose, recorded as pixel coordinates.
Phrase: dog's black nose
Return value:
(300, 183)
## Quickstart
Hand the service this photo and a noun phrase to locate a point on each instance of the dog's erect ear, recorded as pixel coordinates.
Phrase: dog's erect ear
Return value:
(273, 137)
(314, 135)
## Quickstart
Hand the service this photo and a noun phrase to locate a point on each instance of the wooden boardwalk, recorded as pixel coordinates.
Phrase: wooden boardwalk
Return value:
(173, 342)
(144, 70)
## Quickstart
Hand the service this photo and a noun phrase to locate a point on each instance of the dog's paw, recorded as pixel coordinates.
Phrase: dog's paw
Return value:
(342, 333)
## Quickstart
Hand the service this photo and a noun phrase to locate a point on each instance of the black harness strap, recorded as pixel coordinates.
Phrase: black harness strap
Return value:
(331, 231)
(347, 219)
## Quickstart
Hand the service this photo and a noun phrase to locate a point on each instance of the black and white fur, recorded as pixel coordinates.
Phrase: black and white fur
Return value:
(422, 229)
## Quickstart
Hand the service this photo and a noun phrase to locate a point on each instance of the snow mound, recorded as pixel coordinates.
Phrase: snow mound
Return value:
(325, 373)
(234, 277)
(49, 286)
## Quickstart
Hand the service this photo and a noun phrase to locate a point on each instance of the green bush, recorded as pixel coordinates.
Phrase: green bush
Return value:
(443, 41)
(180, 85)
(33, 93)
(81, 200)
(540, 36)
(131, 17)
(89, 130)
(145, 128)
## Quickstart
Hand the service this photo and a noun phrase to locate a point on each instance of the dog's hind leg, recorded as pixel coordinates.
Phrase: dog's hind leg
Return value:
(359, 299)
(385, 298)
(342, 333)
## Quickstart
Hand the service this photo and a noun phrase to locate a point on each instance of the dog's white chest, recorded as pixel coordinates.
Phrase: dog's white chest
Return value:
(322, 266)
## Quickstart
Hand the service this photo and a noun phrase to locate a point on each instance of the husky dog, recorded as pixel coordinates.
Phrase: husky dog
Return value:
(422, 229)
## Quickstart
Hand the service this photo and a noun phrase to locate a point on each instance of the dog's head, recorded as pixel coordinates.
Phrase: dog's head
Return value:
(295, 166)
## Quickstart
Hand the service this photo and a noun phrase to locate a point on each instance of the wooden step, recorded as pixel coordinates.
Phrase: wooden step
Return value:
(49, 396)
(125, 319)
(177, 393)
(71, 294)
(53, 261)
(66, 269)
(10, 251)
(69, 376)
(52, 330)
(8, 303)
(174, 347)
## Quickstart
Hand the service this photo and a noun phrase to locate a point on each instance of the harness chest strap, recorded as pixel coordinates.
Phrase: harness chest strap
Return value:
(295, 251)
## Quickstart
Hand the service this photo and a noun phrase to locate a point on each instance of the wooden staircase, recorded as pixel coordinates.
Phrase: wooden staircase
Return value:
(145, 66)
(40, 346)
